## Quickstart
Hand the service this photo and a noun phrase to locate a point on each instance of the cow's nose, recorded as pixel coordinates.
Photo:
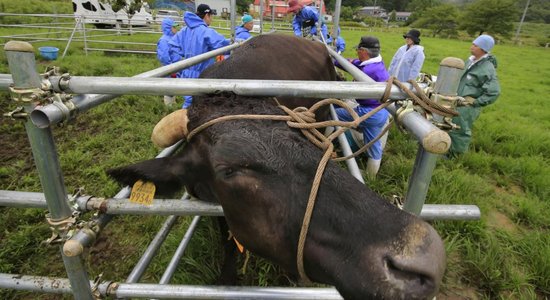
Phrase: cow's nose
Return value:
(417, 268)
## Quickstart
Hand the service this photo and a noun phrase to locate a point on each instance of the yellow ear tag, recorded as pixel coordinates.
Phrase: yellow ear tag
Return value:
(239, 246)
(143, 192)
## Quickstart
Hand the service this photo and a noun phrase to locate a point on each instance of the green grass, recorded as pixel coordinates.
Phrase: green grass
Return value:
(507, 174)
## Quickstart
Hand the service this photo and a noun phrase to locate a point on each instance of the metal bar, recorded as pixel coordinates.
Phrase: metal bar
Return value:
(232, 17)
(151, 250)
(38, 15)
(171, 269)
(336, 20)
(351, 163)
(272, 17)
(42, 284)
(71, 38)
(121, 50)
(52, 114)
(121, 43)
(22, 199)
(419, 182)
(30, 35)
(262, 6)
(456, 212)
(85, 37)
(140, 290)
(163, 207)
(201, 86)
(198, 207)
(5, 81)
(22, 66)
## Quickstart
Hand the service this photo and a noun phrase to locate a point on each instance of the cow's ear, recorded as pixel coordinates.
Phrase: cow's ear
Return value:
(159, 171)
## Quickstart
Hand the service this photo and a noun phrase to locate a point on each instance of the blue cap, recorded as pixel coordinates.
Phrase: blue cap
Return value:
(246, 18)
(485, 42)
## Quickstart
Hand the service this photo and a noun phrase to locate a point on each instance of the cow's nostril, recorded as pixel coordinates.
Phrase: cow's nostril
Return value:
(410, 278)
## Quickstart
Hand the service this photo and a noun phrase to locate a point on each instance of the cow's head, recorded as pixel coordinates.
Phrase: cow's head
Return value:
(261, 173)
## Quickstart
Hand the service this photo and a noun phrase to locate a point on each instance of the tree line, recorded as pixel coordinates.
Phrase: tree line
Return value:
(445, 18)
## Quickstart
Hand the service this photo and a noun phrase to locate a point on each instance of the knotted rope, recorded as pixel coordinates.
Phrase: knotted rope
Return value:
(304, 119)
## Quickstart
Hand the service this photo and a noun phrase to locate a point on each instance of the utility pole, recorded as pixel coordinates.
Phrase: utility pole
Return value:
(521, 22)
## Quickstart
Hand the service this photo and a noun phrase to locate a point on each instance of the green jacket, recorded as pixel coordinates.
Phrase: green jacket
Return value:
(480, 81)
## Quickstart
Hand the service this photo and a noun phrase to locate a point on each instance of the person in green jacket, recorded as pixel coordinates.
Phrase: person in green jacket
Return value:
(478, 87)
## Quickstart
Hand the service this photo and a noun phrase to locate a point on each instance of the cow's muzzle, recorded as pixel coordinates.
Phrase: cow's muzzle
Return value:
(170, 129)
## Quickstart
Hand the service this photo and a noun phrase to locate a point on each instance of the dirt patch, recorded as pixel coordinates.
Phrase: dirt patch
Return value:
(498, 220)
(511, 189)
(458, 293)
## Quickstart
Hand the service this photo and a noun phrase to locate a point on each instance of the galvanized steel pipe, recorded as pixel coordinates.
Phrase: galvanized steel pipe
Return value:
(202, 208)
(172, 266)
(160, 291)
(5, 81)
(22, 66)
(246, 87)
(151, 250)
(47, 115)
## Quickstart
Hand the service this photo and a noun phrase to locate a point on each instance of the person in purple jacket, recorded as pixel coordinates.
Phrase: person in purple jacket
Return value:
(370, 62)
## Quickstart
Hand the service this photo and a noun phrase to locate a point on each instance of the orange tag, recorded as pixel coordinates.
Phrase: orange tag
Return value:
(143, 193)
(239, 246)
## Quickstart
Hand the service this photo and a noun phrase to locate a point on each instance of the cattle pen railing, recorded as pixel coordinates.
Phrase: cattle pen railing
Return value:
(26, 85)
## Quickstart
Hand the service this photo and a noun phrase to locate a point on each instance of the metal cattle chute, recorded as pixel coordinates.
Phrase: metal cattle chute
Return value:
(54, 92)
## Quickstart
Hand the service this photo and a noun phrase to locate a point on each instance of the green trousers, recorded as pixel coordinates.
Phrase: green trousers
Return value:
(461, 138)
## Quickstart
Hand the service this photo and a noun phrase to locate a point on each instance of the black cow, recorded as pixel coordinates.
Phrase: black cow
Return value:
(261, 173)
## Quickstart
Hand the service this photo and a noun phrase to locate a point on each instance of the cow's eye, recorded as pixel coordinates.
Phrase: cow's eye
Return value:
(225, 172)
(228, 172)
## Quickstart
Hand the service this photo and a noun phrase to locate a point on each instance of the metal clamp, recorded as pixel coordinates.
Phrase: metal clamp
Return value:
(61, 229)
(18, 113)
(26, 95)
(95, 287)
(406, 107)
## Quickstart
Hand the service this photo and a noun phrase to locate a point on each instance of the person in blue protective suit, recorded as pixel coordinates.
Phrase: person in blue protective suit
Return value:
(340, 43)
(370, 62)
(242, 32)
(169, 28)
(478, 87)
(409, 58)
(305, 19)
(194, 39)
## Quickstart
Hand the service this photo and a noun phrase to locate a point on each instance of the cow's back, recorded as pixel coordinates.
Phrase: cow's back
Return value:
(277, 57)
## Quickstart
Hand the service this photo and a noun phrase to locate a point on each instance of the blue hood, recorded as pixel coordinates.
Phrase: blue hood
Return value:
(166, 26)
(192, 20)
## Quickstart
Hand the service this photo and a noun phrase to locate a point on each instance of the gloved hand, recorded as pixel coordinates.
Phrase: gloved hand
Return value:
(465, 101)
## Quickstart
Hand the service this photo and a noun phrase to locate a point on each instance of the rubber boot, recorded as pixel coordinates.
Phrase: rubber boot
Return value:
(169, 100)
(373, 165)
(384, 138)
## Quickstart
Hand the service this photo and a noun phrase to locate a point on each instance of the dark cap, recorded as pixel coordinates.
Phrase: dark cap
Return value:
(203, 9)
(414, 35)
(369, 42)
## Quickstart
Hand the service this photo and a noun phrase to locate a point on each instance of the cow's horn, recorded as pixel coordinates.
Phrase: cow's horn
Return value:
(170, 129)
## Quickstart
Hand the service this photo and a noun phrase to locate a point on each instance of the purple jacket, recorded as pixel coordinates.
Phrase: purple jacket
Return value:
(376, 70)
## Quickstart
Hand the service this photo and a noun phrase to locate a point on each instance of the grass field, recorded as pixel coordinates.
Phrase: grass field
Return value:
(507, 174)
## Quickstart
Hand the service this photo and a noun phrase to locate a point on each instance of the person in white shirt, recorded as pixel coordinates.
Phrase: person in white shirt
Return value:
(408, 60)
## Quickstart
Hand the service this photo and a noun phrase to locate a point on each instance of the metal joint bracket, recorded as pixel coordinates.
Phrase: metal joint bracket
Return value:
(444, 123)
(26, 95)
(18, 113)
(64, 81)
(61, 229)
(406, 107)
(95, 287)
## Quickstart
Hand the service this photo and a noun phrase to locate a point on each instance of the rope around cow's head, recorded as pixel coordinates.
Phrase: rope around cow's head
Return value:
(304, 119)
